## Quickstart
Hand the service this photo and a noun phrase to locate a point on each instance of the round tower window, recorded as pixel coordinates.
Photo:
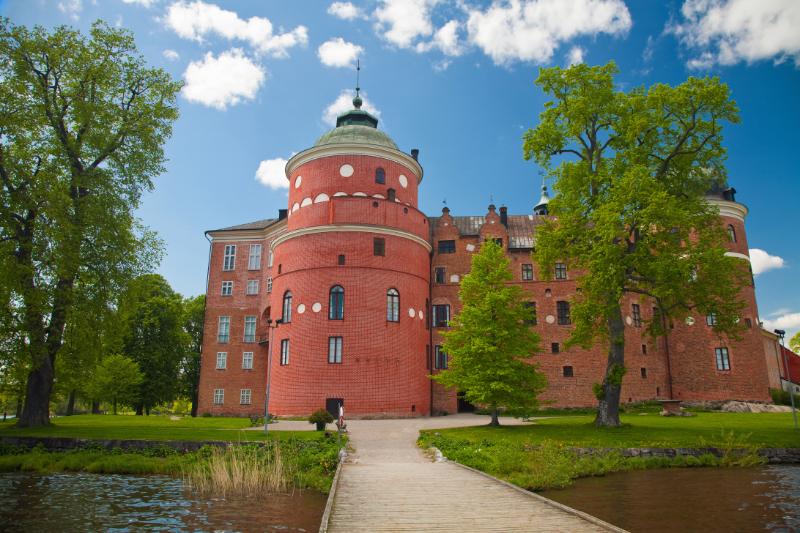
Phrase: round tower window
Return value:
(297, 181)
(403, 181)
(346, 171)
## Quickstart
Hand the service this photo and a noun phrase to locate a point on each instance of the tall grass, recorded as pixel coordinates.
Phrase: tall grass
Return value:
(241, 471)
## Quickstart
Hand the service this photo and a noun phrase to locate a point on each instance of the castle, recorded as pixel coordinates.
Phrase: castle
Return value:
(346, 294)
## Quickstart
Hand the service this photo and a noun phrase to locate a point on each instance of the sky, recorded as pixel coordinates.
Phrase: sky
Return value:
(454, 78)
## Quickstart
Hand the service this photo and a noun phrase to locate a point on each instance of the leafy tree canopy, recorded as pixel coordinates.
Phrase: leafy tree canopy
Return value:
(116, 379)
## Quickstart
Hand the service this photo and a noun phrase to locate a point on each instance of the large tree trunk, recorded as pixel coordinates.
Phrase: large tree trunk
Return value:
(139, 409)
(36, 411)
(95, 408)
(18, 412)
(608, 408)
(71, 403)
(194, 403)
(495, 420)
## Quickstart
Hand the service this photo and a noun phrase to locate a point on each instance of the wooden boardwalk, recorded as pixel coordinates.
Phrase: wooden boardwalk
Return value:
(389, 485)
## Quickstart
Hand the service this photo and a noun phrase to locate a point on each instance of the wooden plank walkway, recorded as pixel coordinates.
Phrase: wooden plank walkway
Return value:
(389, 485)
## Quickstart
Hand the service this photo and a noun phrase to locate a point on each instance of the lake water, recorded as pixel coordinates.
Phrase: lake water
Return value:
(692, 499)
(94, 502)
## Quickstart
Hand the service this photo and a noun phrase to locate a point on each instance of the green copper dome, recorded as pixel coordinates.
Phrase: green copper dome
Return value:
(356, 126)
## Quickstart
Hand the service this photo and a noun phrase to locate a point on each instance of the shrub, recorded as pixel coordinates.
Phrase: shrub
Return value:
(781, 397)
(206, 415)
(320, 417)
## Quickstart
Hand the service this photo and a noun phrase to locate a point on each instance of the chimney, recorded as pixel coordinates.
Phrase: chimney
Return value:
(504, 215)
(415, 154)
(282, 213)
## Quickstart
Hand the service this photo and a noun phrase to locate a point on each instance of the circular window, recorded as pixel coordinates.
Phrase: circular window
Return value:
(346, 171)
(301, 309)
(297, 181)
(317, 307)
(403, 181)
(411, 312)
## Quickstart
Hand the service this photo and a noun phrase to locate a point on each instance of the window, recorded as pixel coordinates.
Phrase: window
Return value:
(229, 261)
(222, 360)
(223, 329)
(723, 361)
(336, 303)
(252, 286)
(643, 372)
(254, 260)
(219, 396)
(554, 347)
(711, 319)
(285, 352)
(227, 288)
(439, 274)
(334, 350)
(379, 246)
(499, 242)
(280, 268)
(249, 329)
(748, 323)
(391, 195)
(731, 233)
(567, 372)
(527, 272)
(562, 309)
(269, 259)
(644, 349)
(340, 260)
(380, 176)
(247, 360)
(440, 318)
(393, 305)
(244, 396)
(439, 358)
(447, 247)
(637, 315)
(287, 307)
(561, 271)
(269, 285)
(530, 310)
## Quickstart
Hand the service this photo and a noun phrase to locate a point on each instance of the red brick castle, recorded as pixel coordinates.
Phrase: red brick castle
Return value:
(348, 290)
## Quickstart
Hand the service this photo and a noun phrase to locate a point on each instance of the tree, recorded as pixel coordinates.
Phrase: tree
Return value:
(150, 322)
(631, 173)
(194, 318)
(82, 125)
(490, 344)
(116, 379)
(794, 343)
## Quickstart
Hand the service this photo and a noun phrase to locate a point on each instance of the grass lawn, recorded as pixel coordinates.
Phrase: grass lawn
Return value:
(764, 430)
(152, 428)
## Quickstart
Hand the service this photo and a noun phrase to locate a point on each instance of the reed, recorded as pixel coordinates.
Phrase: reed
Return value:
(240, 470)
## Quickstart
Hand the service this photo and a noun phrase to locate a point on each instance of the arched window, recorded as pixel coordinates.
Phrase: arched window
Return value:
(391, 195)
(393, 305)
(336, 303)
(287, 307)
(731, 233)
(380, 176)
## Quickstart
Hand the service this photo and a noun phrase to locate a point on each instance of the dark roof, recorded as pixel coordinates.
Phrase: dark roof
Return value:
(258, 224)
(521, 228)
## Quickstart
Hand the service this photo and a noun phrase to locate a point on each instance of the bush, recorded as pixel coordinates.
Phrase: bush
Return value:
(781, 397)
(320, 417)
(206, 415)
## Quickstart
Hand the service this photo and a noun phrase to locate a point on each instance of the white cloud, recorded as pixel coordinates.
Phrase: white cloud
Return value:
(171, 55)
(787, 321)
(531, 30)
(338, 53)
(445, 39)
(345, 10)
(344, 102)
(730, 31)
(72, 8)
(761, 261)
(222, 81)
(575, 55)
(401, 22)
(272, 173)
(143, 3)
(198, 19)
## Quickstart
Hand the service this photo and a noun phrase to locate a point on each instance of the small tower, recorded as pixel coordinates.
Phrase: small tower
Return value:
(541, 207)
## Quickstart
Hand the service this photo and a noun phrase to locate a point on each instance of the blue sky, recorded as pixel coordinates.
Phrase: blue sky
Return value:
(453, 78)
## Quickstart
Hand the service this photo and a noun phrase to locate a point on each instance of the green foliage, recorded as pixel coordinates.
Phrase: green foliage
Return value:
(83, 125)
(116, 379)
(631, 173)
(489, 345)
(794, 343)
(781, 397)
(194, 310)
(320, 416)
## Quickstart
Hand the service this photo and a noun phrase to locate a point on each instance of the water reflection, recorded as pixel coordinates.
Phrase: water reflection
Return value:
(91, 502)
(692, 499)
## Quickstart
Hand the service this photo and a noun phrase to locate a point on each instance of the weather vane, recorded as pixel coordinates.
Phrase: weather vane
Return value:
(358, 75)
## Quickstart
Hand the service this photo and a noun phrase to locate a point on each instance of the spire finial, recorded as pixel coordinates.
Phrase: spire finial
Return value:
(357, 100)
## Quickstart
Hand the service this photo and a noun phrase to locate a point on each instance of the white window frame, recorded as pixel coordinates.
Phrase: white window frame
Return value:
(219, 396)
(245, 396)
(254, 259)
(227, 288)
(247, 360)
(223, 329)
(335, 350)
(222, 360)
(284, 352)
(439, 358)
(270, 258)
(526, 274)
(250, 328)
(229, 258)
(252, 287)
(269, 285)
(723, 358)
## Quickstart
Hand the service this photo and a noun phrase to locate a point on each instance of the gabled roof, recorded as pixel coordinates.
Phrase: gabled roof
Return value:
(521, 228)
(258, 224)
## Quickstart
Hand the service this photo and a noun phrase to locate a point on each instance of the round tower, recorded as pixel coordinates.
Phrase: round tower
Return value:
(351, 278)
